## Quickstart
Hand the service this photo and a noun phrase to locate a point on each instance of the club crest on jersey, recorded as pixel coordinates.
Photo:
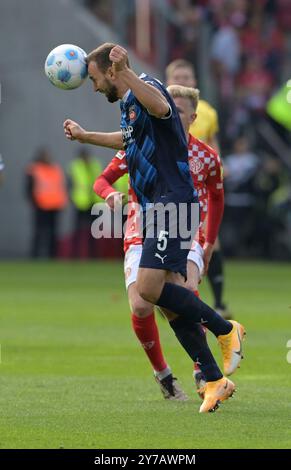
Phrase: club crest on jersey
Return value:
(196, 165)
(132, 113)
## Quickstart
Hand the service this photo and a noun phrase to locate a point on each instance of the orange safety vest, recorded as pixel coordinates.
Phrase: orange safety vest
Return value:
(49, 189)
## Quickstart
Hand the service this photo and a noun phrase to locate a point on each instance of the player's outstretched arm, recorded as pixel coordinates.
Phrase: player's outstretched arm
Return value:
(151, 98)
(73, 131)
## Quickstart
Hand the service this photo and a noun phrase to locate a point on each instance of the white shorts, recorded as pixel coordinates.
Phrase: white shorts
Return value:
(133, 255)
(131, 264)
(196, 255)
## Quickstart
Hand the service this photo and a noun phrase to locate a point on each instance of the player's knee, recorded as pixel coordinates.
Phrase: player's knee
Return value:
(146, 293)
(191, 285)
(141, 309)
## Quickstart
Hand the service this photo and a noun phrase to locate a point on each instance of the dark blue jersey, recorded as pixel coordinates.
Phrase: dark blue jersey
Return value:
(156, 150)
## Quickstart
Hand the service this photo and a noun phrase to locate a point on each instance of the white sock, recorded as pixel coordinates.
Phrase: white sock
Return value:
(163, 373)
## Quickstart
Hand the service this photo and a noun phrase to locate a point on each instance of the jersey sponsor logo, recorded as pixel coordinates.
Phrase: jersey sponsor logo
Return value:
(196, 165)
(127, 132)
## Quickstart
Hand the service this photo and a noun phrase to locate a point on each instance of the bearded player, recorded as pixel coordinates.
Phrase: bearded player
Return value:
(206, 171)
(157, 158)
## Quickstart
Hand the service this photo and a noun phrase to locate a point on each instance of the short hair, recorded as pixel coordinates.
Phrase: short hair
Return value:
(179, 64)
(100, 56)
(179, 91)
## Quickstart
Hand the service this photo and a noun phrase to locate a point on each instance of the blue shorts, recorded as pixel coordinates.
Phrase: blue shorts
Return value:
(168, 237)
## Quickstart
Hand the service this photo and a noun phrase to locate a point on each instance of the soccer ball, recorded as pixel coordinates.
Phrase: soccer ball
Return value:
(65, 66)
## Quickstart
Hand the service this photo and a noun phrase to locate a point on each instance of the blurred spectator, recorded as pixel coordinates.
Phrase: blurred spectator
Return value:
(205, 127)
(255, 85)
(284, 14)
(46, 190)
(265, 226)
(263, 39)
(226, 65)
(240, 172)
(185, 31)
(83, 171)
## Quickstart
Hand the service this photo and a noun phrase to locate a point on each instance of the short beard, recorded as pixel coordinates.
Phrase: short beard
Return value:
(111, 93)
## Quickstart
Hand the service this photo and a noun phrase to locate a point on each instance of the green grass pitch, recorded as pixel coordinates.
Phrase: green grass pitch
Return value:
(74, 376)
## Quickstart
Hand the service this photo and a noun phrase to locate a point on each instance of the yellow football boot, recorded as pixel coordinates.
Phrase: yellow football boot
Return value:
(231, 347)
(215, 393)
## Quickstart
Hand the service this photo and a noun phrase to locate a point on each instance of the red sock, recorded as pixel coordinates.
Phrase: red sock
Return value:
(148, 334)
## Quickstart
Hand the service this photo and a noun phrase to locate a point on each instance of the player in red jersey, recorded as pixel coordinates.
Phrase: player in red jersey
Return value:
(205, 127)
(207, 174)
(142, 312)
(206, 171)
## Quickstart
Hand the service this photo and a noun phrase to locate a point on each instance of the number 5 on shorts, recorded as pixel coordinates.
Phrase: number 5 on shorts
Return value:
(162, 240)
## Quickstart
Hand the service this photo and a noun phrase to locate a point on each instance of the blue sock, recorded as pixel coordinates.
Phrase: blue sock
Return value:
(183, 302)
(193, 340)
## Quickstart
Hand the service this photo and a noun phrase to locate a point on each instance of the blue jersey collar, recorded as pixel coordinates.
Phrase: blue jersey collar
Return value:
(127, 93)
(125, 96)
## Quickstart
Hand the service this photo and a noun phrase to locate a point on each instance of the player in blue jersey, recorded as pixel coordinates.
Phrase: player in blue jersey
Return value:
(156, 152)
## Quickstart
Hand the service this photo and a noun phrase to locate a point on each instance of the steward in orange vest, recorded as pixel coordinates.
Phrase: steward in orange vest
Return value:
(46, 188)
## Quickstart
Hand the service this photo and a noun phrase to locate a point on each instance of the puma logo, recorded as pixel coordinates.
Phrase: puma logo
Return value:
(149, 345)
(157, 255)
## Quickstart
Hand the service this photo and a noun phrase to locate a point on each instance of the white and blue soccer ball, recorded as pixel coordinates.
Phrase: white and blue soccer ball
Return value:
(65, 66)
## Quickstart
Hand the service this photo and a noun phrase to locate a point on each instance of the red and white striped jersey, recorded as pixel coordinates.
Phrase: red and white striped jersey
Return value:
(207, 174)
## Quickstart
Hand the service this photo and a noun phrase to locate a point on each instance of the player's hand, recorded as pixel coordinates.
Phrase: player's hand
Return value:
(119, 58)
(114, 201)
(208, 250)
(73, 131)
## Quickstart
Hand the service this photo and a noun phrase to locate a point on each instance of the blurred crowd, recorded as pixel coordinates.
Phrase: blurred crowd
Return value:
(243, 46)
(240, 51)
(246, 46)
